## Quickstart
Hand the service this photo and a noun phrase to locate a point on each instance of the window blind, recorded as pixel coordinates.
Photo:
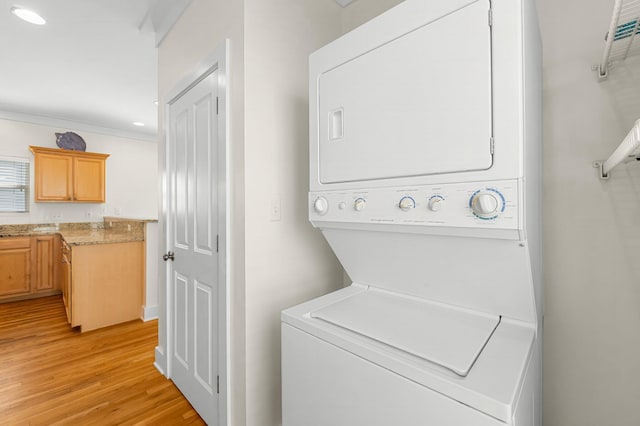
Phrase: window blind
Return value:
(14, 186)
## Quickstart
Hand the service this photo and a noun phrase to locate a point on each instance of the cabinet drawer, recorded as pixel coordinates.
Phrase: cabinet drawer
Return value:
(15, 242)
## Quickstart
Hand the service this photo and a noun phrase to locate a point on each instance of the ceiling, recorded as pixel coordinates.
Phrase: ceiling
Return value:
(93, 66)
(93, 63)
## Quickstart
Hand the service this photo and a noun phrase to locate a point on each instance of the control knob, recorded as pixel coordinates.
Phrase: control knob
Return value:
(359, 204)
(486, 204)
(321, 206)
(436, 203)
(406, 204)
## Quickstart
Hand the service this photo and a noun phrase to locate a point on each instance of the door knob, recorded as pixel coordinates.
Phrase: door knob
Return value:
(169, 255)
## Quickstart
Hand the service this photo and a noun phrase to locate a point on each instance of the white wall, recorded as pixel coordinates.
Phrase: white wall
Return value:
(361, 11)
(591, 227)
(131, 175)
(287, 261)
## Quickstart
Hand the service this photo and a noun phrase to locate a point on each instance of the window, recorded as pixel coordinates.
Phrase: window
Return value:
(14, 185)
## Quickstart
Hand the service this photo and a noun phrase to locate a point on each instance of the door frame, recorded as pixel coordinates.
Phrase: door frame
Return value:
(218, 60)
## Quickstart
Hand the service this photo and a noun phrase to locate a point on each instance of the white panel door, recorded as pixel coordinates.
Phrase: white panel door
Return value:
(193, 222)
(417, 105)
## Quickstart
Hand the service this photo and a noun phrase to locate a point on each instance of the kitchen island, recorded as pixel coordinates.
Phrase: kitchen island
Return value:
(98, 267)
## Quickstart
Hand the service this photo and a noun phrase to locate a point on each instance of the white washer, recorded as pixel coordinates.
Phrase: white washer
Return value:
(425, 181)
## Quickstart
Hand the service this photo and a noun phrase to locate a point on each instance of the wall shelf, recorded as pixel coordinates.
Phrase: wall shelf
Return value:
(622, 38)
(628, 150)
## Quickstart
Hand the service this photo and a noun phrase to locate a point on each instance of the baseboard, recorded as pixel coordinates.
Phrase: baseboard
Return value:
(155, 364)
(160, 361)
(150, 313)
(30, 296)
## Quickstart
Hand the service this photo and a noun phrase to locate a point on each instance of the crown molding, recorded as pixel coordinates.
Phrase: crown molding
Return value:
(74, 125)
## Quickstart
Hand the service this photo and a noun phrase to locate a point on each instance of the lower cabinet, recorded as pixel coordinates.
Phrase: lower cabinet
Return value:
(28, 267)
(101, 284)
(46, 261)
(15, 267)
(106, 284)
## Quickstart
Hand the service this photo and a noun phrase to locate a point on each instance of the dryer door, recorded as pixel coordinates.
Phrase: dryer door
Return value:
(417, 105)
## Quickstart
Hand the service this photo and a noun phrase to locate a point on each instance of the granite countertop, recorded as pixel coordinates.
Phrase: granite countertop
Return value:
(99, 236)
(128, 219)
(76, 234)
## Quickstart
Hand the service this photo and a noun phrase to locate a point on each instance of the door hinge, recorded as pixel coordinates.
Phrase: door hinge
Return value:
(491, 145)
(217, 384)
(217, 243)
(217, 108)
(490, 17)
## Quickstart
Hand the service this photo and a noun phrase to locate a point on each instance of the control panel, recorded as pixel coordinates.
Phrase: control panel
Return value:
(472, 205)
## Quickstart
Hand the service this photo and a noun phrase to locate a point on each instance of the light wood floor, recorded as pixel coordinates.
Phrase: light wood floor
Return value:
(53, 375)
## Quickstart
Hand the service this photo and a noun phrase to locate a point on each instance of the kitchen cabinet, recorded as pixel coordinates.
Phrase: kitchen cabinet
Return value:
(46, 254)
(62, 175)
(15, 267)
(28, 267)
(106, 284)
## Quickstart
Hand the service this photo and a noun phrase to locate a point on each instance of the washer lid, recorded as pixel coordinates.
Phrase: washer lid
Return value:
(442, 334)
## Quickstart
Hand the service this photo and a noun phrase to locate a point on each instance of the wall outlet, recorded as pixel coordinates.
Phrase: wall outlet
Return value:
(116, 211)
(89, 214)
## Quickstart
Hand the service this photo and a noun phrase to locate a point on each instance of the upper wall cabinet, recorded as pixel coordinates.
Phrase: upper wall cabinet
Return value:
(69, 176)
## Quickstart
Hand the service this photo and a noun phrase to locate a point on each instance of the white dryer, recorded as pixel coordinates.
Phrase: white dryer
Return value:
(425, 181)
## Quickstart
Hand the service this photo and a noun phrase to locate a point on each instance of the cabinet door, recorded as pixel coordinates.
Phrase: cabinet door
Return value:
(15, 266)
(88, 180)
(53, 177)
(44, 248)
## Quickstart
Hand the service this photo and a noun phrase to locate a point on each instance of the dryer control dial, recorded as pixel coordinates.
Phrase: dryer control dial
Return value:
(321, 206)
(407, 203)
(436, 203)
(487, 203)
(359, 204)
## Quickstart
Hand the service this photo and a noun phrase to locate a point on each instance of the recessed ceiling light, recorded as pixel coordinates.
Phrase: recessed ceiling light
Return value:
(28, 15)
(138, 123)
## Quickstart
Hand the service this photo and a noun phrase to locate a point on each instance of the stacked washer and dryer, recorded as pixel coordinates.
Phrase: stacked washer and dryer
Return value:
(425, 180)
